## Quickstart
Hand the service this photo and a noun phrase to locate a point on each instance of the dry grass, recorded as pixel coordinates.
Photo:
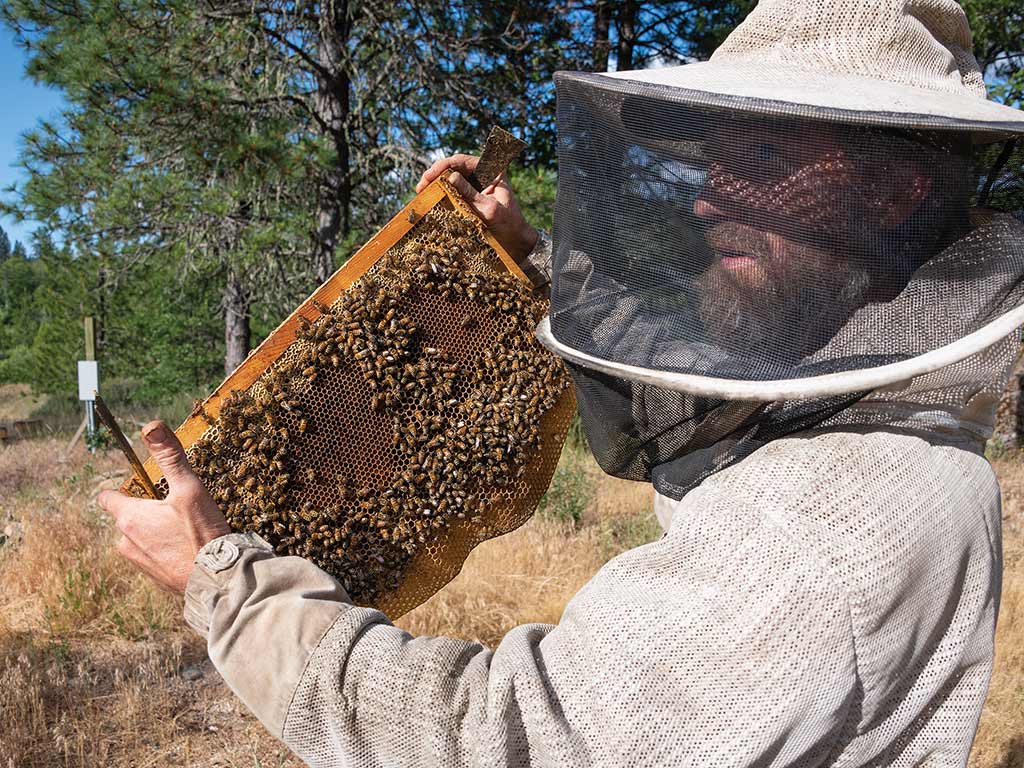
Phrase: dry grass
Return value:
(1000, 740)
(96, 668)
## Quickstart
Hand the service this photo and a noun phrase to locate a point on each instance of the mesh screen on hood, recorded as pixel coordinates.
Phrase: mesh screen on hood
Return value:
(757, 246)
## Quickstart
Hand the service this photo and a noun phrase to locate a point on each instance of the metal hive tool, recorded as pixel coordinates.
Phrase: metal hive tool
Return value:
(401, 415)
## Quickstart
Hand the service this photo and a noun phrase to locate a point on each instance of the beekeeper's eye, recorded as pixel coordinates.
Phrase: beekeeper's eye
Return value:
(770, 156)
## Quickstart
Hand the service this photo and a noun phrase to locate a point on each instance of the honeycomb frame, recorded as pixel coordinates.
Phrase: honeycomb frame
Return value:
(441, 559)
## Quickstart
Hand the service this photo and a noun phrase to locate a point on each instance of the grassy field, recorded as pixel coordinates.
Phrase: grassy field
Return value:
(96, 668)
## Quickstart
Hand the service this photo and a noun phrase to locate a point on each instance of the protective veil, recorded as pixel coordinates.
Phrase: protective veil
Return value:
(729, 271)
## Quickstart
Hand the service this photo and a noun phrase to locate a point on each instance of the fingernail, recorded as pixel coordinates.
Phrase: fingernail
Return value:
(155, 433)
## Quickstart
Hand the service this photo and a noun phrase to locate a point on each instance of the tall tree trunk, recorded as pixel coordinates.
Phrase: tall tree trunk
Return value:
(236, 323)
(101, 307)
(332, 107)
(626, 25)
(601, 47)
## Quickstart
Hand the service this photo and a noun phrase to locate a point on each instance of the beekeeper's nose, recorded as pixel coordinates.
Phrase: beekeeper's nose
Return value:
(705, 209)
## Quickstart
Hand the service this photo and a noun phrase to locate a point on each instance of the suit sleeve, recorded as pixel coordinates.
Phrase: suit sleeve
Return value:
(723, 643)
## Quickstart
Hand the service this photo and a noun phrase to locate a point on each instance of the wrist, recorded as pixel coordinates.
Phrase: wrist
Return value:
(221, 552)
(524, 244)
(212, 532)
(537, 262)
(212, 569)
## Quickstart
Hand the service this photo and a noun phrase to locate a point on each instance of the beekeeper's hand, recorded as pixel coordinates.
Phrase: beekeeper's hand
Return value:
(162, 538)
(496, 205)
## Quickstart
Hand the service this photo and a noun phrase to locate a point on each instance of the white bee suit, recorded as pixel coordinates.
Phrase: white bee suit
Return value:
(808, 606)
(829, 600)
(827, 587)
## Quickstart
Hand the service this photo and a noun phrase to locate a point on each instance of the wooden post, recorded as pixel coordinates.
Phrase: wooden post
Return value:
(90, 339)
(78, 434)
(90, 354)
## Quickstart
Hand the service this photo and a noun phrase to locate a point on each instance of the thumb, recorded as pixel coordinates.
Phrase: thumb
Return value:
(167, 452)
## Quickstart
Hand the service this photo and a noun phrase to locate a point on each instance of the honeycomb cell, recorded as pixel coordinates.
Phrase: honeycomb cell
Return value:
(407, 422)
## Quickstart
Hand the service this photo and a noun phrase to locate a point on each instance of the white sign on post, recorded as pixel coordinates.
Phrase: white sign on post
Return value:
(88, 379)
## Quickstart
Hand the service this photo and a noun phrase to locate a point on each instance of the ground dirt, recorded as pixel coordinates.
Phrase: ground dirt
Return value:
(97, 669)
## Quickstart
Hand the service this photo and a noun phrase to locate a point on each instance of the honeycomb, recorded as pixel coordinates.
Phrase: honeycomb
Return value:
(411, 418)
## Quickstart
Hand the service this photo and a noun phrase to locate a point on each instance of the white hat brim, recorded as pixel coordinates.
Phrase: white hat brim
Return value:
(789, 91)
(826, 385)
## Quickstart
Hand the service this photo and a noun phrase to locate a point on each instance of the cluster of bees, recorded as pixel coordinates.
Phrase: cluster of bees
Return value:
(465, 417)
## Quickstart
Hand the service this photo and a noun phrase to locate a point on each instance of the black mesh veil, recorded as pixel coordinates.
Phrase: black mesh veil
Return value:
(742, 243)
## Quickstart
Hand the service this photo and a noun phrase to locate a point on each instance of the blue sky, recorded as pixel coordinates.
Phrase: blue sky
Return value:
(24, 103)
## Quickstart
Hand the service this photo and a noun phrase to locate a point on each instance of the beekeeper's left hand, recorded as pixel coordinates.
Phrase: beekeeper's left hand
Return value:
(496, 204)
(162, 538)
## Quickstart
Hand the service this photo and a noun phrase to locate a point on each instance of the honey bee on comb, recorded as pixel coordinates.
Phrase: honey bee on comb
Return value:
(409, 419)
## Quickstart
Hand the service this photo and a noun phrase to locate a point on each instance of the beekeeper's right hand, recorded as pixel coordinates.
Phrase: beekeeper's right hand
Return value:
(496, 205)
(162, 537)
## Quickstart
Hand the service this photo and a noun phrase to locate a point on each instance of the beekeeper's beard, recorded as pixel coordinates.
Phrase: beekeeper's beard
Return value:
(763, 292)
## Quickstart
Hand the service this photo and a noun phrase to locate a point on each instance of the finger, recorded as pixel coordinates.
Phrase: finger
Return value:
(129, 550)
(117, 504)
(135, 555)
(465, 189)
(436, 169)
(497, 181)
(167, 452)
(464, 164)
(132, 523)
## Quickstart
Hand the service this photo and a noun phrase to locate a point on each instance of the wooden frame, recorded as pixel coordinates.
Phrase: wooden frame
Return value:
(284, 335)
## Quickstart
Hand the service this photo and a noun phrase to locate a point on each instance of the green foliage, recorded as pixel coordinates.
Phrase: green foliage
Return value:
(187, 154)
(535, 191)
(170, 169)
(99, 440)
(501, 56)
(571, 488)
(998, 31)
(20, 278)
(75, 604)
(206, 149)
(620, 534)
(157, 327)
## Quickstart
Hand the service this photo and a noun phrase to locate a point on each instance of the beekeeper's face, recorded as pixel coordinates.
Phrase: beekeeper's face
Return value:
(785, 215)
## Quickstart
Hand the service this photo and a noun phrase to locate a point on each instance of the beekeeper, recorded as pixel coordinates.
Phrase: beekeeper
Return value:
(779, 307)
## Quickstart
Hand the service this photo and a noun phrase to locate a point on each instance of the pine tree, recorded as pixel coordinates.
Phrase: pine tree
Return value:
(247, 150)
(170, 149)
